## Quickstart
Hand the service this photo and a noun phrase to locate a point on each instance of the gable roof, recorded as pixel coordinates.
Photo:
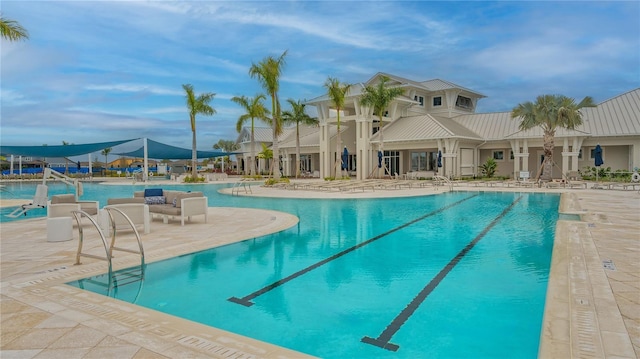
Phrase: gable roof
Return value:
(433, 85)
(355, 90)
(260, 134)
(423, 127)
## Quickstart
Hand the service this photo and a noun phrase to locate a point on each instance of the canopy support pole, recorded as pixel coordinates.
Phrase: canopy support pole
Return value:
(145, 174)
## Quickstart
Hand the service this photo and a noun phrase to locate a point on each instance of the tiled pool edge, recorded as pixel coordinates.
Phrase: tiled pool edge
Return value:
(578, 296)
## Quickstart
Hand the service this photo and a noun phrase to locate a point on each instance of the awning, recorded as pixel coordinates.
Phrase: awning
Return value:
(59, 150)
(162, 151)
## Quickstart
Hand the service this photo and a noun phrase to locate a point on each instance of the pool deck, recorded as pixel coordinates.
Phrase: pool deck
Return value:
(592, 311)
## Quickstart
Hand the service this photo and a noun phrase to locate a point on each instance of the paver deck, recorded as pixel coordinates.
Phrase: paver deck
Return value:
(592, 311)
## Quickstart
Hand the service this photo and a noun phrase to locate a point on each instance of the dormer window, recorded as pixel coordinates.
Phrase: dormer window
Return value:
(437, 101)
(464, 102)
(419, 99)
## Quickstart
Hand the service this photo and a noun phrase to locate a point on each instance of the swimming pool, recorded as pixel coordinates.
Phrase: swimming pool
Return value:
(460, 274)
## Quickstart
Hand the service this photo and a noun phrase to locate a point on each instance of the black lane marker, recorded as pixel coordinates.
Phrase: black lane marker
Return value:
(246, 300)
(383, 339)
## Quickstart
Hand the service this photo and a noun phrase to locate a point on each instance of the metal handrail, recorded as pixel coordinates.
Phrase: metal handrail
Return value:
(78, 216)
(240, 184)
(444, 179)
(109, 248)
(112, 247)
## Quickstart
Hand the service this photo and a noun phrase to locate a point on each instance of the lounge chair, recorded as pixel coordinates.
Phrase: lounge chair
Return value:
(39, 201)
(574, 180)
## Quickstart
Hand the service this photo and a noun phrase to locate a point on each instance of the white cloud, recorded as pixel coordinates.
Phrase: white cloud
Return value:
(14, 98)
(157, 90)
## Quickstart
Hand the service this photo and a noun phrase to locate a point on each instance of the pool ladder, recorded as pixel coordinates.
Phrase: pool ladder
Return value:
(129, 276)
(242, 184)
(440, 180)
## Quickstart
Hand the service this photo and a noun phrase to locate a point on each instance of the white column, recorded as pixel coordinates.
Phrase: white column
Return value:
(11, 166)
(363, 151)
(325, 151)
(525, 155)
(565, 156)
(449, 159)
(635, 155)
(515, 148)
(577, 143)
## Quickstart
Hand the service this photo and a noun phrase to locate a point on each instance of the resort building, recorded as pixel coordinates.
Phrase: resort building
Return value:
(437, 118)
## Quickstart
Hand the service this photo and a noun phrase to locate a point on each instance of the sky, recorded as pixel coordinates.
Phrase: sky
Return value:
(96, 71)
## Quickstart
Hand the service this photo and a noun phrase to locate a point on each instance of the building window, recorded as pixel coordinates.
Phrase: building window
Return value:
(419, 161)
(419, 99)
(437, 101)
(511, 156)
(498, 155)
(464, 102)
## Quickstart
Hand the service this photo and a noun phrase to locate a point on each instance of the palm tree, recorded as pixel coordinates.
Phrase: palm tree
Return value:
(337, 92)
(226, 146)
(297, 116)
(380, 97)
(550, 112)
(266, 153)
(105, 153)
(11, 30)
(254, 109)
(268, 73)
(197, 105)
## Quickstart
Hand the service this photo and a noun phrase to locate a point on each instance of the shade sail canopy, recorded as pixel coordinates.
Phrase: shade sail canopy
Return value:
(162, 151)
(59, 150)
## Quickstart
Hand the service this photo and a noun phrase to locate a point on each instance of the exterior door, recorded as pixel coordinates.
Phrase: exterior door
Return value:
(466, 162)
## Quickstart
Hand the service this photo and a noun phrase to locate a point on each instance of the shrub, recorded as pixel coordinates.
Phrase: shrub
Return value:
(189, 179)
(272, 181)
(489, 168)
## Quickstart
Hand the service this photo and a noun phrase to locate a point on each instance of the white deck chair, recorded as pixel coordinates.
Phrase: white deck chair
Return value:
(39, 201)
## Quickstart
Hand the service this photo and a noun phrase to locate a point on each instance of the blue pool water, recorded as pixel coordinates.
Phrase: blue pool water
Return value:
(456, 275)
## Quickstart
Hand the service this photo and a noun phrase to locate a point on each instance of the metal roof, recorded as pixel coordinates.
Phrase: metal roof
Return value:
(423, 127)
(309, 136)
(260, 134)
(619, 116)
(441, 85)
(434, 85)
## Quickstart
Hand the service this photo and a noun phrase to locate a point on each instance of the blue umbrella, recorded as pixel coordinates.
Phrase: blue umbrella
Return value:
(379, 159)
(597, 156)
(439, 158)
(345, 159)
